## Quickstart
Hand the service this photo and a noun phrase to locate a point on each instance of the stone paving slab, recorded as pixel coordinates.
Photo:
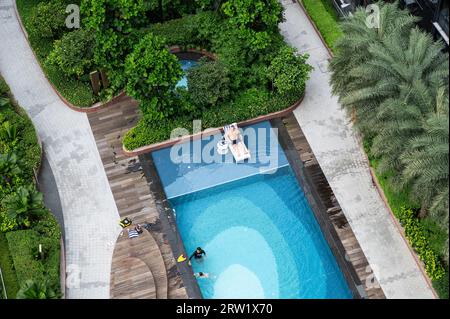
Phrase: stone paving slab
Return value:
(335, 144)
(90, 213)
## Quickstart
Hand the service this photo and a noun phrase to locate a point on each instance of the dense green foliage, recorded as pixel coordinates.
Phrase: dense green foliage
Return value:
(48, 20)
(23, 218)
(234, 88)
(75, 89)
(248, 104)
(22, 246)
(73, 54)
(394, 80)
(115, 23)
(33, 289)
(255, 20)
(416, 235)
(325, 18)
(152, 73)
(208, 83)
(288, 71)
(8, 272)
(441, 286)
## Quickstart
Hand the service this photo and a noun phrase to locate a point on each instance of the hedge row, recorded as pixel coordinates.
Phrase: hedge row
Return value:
(250, 104)
(325, 18)
(415, 233)
(24, 245)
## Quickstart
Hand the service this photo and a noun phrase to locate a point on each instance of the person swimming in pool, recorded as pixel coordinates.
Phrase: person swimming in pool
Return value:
(198, 254)
(201, 275)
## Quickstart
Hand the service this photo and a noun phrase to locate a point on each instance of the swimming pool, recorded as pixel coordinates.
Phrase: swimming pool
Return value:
(185, 65)
(259, 232)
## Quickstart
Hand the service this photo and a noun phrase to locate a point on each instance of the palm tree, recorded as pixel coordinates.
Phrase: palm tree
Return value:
(427, 163)
(398, 65)
(9, 167)
(25, 204)
(399, 119)
(37, 289)
(352, 49)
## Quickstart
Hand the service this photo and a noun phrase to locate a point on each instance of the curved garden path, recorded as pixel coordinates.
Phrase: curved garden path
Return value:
(335, 144)
(90, 213)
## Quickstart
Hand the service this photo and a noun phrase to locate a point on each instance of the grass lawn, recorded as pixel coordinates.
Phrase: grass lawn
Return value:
(75, 91)
(6, 264)
(325, 18)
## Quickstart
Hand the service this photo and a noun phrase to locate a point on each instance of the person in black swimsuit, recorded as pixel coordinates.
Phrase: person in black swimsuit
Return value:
(198, 253)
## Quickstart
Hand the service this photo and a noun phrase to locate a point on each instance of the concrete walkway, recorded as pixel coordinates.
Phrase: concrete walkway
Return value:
(330, 134)
(90, 213)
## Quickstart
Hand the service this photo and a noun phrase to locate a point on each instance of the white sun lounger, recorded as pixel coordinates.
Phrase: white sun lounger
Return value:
(239, 150)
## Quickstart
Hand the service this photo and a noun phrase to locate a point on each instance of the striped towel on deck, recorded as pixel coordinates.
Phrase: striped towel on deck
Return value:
(133, 233)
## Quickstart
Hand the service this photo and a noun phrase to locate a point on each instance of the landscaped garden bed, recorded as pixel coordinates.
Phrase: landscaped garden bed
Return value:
(326, 19)
(65, 55)
(30, 239)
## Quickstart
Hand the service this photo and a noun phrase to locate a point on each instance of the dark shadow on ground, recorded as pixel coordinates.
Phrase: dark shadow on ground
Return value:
(47, 185)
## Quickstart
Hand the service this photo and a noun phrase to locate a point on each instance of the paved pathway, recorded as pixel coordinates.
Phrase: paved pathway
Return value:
(90, 213)
(336, 147)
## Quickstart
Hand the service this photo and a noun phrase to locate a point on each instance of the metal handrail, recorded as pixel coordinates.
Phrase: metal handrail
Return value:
(3, 283)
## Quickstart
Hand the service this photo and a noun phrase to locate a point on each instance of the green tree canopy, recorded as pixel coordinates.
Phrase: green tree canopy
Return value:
(289, 71)
(152, 73)
(255, 19)
(208, 83)
(48, 19)
(115, 23)
(74, 53)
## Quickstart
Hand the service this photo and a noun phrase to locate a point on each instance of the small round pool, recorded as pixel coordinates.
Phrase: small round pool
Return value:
(185, 66)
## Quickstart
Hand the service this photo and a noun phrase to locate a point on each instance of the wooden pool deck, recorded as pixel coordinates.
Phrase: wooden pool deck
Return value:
(147, 258)
(353, 251)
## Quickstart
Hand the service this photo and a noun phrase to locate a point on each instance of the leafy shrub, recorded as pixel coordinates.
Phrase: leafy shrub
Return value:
(48, 19)
(208, 83)
(289, 71)
(415, 234)
(441, 286)
(152, 73)
(10, 168)
(180, 32)
(256, 20)
(114, 23)
(74, 54)
(6, 223)
(38, 289)
(24, 205)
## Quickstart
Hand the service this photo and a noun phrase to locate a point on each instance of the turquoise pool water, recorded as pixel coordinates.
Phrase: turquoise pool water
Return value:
(258, 230)
(185, 65)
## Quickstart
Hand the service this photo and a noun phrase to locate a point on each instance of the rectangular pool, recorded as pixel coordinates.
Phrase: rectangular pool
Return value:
(260, 235)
